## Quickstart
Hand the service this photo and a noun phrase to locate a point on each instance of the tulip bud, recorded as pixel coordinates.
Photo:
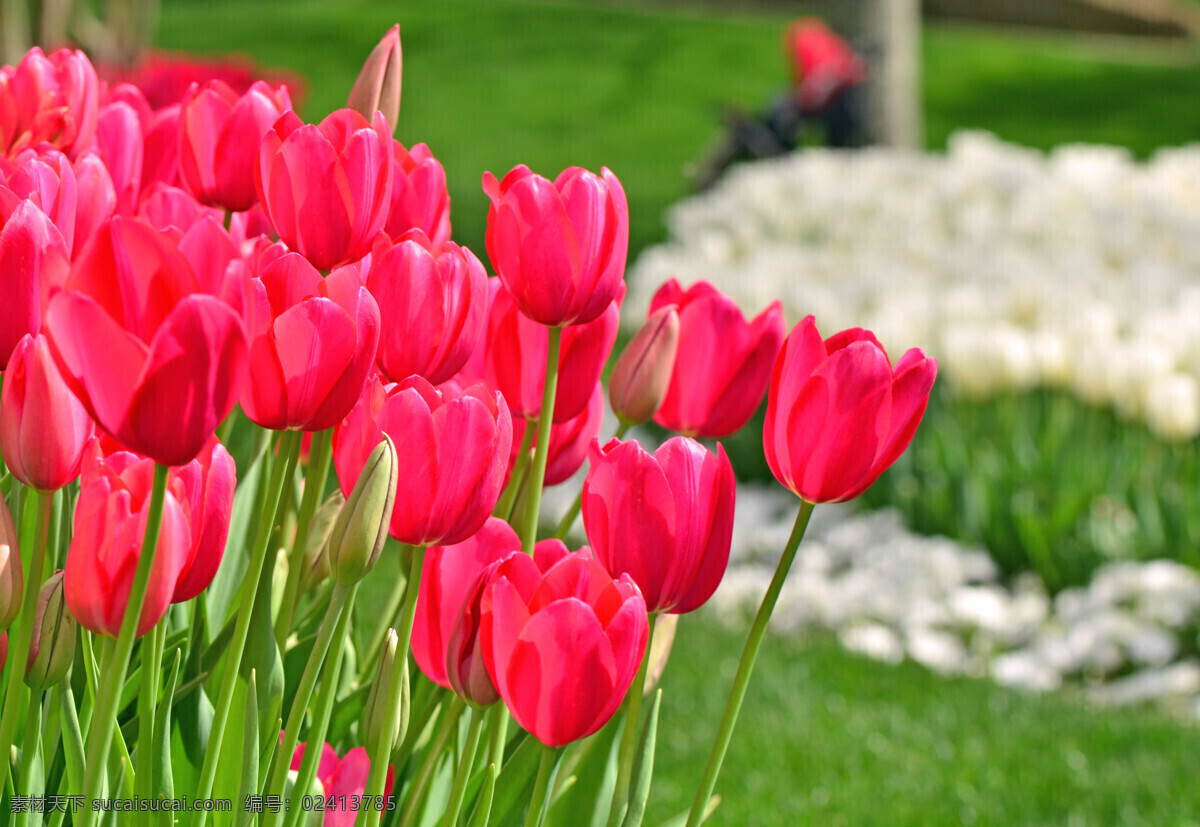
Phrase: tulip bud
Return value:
(316, 546)
(377, 87)
(374, 715)
(11, 581)
(362, 524)
(52, 648)
(643, 370)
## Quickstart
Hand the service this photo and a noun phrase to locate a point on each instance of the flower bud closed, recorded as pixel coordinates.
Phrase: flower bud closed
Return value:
(392, 677)
(643, 370)
(362, 524)
(52, 647)
(377, 87)
(11, 581)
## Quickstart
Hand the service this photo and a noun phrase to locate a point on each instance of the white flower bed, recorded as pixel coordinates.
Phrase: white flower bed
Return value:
(1080, 269)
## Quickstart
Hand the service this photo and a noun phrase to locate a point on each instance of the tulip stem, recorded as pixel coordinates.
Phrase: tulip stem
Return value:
(314, 488)
(545, 420)
(568, 520)
(547, 770)
(498, 737)
(152, 648)
(338, 605)
(316, 732)
(282, 470)
(409, 615)
(516, 480)
(374, 805)
(458, 791)
(20, 637)
(629, 738)
(104, 716)
(30, 744)
(745, 666)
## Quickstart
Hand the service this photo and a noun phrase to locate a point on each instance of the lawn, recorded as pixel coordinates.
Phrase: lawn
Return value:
(826, 738)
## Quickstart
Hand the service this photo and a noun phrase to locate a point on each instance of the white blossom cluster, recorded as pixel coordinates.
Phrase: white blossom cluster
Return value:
(1079, 269)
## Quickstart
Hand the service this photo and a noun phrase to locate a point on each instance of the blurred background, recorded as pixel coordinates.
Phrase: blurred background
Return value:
(1021, 208)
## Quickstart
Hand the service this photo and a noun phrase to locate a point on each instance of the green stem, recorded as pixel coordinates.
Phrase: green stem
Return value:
(308, 681)
(540, 803)
(387, 620)
(458, 791)
(104, 716)
(20, 636)
(281, 472)
(498, 737)
(316, 733)
(545, 420)
(629, 738)
(152, 648)
(314, 487)
(568, 520)
(745, 666)
(417, 792)
(508, 499)
(381, 748)
(409, 614)
(30, 744)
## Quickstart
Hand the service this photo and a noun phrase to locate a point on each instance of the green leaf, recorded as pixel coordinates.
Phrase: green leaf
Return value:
(483, 805)
(514, 787)
(593, 763)
(643, 767)
(72, 737)
(250, 749)
(262, 654)
(164, 776)
(223, 592)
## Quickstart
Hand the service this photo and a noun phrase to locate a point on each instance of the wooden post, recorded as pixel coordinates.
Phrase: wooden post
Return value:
(892, 28)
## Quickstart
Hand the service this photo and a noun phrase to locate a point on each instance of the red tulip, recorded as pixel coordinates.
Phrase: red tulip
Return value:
(561, 639)
(161, 161)
(208, 482)
(838, 414)
(46, 177)
(33, 261)
(119, 144)
(432, 305)
(559, 247)
(312, 344)
(157, 364)
(326, 188)
(110, 522)
(514, 361)
(219, 135)
(723, 363)
(420, 200)
(44, 428)
(569, 440)
(665, 519)
(447, 576)
(166, 206)
(53, 98)
(342, 780)
(96, 199)
(455, 448)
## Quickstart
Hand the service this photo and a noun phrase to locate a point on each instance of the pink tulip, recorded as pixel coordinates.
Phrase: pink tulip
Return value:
(377, 87)
(561, 640)
(312, 344)
(455, 448)
(342, 780)
(447, 576)
(838, 414)
(96, 199)
(569, 440)
(46, 177)
(559, 247)
(665, 519)
(639, 379)
(326, 188)
(161, 162)
(432, 305)
(54, 98)
(157, 364)
(110, 522)
(723, 363)
(119, 144)
(514, 360)
(166, 206)
(208, 482)
(219, 135)
(44, 428)
(420, 200)
(34, 260)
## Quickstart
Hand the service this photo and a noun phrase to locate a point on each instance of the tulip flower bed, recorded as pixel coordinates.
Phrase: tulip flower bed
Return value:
(163, 263)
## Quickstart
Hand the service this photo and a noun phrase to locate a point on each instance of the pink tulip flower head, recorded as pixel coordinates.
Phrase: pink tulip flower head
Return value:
(34, 260)
(342, 780)
(723, 363)
(44, 176)
(326, 188)
(559, 246)
(838, 413)
(420, 200)
(51, 98)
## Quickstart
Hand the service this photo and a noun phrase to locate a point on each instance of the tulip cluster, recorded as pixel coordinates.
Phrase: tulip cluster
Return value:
(167, 257)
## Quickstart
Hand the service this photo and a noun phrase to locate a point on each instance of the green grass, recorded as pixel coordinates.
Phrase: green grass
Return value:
(828, 738)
